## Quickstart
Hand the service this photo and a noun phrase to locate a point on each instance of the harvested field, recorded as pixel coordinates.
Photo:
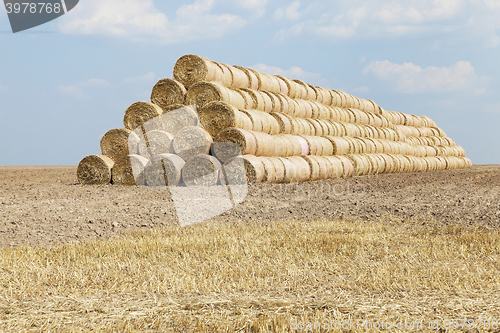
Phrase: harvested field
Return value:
(394, 247)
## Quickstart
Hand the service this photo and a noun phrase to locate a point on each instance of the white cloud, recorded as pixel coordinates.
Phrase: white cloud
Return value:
(343, 25)
(3, 88)
(77, 89)
(410, 78)
(140, 20)
(291, 12)
(292, 72)
(258, 5)
(473, 19)
(148, 78)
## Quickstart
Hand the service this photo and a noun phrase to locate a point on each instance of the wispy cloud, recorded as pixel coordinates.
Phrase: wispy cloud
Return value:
(290, 12)
(257, 5)
(145, 78)
(140, 20)
(410, 78)
(77, 90)
(388, 18)
(292, 73)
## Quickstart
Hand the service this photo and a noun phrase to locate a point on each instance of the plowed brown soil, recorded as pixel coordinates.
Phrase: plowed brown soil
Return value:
(46, 205)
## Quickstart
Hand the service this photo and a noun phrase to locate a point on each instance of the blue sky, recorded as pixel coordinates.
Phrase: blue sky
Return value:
(65, 83)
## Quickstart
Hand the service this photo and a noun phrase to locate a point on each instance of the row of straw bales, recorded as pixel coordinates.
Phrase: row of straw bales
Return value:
(217, 124)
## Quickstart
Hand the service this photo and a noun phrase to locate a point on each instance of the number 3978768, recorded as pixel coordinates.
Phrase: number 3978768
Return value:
(33, 8)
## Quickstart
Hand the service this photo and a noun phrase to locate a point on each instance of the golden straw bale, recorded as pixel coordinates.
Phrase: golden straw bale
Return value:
(201, 170)
(164, 170)
(245, 141)
(141, 112)
(217, 116)
(119, 142)
(155, 143)
(95, 170)
(191, 69)
(205, 92)
(253, 81)
(192, 141)
(129, 171)
(167, 92)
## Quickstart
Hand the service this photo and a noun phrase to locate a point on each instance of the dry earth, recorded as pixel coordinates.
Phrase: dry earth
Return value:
(46, 205)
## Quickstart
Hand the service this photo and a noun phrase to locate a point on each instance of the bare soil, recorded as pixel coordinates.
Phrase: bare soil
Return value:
(46, 205)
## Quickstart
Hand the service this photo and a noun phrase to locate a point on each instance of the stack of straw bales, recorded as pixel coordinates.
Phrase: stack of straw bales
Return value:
(213, 117)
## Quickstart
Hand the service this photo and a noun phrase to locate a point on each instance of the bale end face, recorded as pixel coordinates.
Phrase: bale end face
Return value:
(95, 170)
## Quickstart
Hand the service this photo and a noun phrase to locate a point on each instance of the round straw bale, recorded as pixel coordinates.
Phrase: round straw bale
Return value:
(325, 168)
(249, 100)
(313, 166)
(167, 92)
(265, 144)
(318, 129)
(95, 170)
(279, 169)
(254, 168)
(336, 129)
(139, 113)
(304, 144)
(347, 166)
(269, 170)
(245, 141)
(164, 170)
(303, 169)
(337, 169)
(284, 122)
(217, 116)
(191, 141)
(283, 85)
(310, 94)
(204, 92)
(257, 121)
(201, 170)
(268, 101)
(276, 102)
(129, 171)
(336, 99)
(174, 120)
(295, 145)
(227, 76)
(291, 171)
(190, 69)
(172, 107)
(300, 89)
(305, 109)
(282, 148)
(155, 143)
(290, 86)
(340, 146)
(253, 81)
(285, 102)
(240, 78)
(234, 172)
(258, 102)
(119, 142)
(323, 96)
